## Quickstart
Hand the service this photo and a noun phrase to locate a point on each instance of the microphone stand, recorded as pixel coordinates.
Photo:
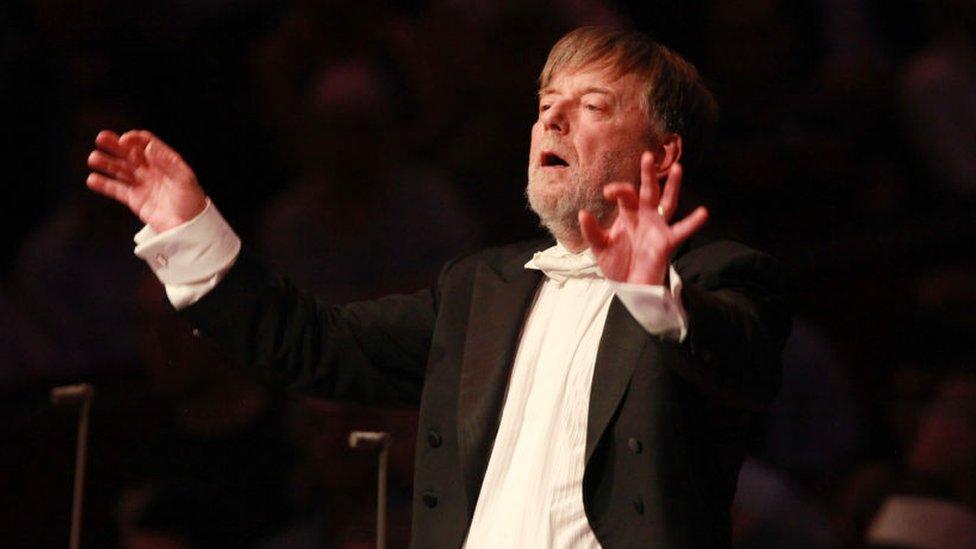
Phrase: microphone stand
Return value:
(72, 394)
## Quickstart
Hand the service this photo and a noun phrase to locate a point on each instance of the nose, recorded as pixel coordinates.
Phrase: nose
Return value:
(554, 118)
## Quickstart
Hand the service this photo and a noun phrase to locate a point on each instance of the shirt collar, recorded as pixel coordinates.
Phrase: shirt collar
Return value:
(559, 263)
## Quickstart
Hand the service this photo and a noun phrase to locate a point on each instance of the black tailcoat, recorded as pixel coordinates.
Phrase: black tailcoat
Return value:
(667, 422)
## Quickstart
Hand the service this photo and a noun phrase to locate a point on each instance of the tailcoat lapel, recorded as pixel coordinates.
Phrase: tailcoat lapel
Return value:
(622, 343)
(499, 304)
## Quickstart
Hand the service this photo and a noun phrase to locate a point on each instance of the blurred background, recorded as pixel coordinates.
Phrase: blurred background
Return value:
(359, 144)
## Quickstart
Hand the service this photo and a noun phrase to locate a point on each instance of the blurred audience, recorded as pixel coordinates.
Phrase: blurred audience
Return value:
(216, 470)
(945, 444)
(938, 99)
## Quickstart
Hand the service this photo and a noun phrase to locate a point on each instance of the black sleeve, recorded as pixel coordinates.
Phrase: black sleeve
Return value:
(738, 321)
(372, 352)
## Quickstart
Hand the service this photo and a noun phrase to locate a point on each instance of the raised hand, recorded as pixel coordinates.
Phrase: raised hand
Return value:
(637, 247)
(145, 174)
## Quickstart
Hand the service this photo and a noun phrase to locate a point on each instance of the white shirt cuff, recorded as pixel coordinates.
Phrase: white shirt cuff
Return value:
(657, 308)
(192, 258)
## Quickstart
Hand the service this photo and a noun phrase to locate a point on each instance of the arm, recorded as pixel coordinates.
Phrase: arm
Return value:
(371, 352)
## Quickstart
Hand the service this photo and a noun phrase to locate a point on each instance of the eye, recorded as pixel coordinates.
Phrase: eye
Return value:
(593, 107)
(544, 107)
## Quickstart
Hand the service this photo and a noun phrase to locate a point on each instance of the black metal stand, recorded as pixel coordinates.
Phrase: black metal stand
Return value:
(368, 439)
(72, 394)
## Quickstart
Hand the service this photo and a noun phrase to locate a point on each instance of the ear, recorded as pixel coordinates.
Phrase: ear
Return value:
(666, 153)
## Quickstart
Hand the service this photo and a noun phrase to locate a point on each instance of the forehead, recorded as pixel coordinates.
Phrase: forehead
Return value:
(600, 78)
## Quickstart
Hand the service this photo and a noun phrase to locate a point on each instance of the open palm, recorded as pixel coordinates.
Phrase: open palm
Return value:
(637, 246)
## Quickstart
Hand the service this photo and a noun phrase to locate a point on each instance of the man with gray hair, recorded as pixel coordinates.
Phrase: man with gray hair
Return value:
(595, 390)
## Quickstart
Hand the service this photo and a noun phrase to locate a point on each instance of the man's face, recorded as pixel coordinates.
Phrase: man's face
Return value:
(591, 131)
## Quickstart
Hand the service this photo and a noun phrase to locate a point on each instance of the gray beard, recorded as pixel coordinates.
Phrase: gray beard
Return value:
(559, 214)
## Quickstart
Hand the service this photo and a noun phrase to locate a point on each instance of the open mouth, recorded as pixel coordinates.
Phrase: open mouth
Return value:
(553, 160)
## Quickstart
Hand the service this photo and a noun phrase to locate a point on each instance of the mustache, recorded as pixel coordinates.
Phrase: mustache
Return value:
(557, 148)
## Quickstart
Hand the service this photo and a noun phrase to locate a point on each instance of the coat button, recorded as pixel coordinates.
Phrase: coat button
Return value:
(430, 499)
(434, 439)
(635, 445)
(639, 505)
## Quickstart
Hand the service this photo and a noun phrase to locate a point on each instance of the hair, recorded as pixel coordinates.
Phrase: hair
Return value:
(675, 98)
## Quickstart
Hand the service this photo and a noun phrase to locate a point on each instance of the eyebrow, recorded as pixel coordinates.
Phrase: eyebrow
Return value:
(590, 89)
(596, 89)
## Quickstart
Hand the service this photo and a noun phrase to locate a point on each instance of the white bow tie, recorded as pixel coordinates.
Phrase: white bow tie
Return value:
(558, 263)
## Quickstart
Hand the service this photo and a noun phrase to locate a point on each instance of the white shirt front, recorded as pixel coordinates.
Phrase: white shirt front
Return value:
(532, 494)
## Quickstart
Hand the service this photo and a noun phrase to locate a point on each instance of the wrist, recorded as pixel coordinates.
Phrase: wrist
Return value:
(186, 215)
(649, 274)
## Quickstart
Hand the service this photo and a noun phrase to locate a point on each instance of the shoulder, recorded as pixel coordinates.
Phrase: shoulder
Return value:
(459, 276)
(710, 261)
(505, 259)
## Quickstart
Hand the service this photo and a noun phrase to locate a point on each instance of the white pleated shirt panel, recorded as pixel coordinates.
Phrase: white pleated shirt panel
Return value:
(532, 494)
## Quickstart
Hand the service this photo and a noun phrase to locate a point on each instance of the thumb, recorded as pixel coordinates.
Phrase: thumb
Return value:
(592, 233)
(161, 155)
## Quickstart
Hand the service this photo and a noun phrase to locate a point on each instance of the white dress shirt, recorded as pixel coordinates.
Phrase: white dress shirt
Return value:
(532, 494)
